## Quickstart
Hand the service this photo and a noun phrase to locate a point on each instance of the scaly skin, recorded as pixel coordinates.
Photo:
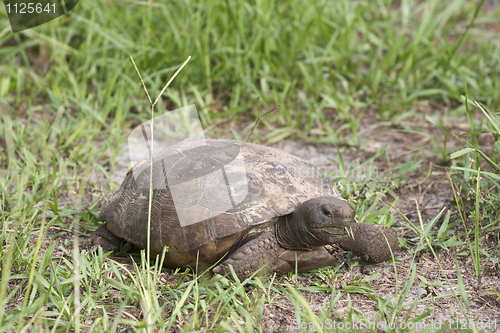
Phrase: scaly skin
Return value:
(370, 242)
(261, 251)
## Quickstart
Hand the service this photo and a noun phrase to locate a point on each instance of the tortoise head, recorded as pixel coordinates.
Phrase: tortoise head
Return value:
(316, 222)
(327, 218)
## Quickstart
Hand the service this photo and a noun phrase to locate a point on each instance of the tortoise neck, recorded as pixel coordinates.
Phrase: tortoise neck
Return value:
(292, 233)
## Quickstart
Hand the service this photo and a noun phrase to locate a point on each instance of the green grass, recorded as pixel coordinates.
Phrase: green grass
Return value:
(69, 95)
(304, 56)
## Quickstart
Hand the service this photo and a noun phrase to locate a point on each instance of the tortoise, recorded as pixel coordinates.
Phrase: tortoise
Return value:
(283, 213)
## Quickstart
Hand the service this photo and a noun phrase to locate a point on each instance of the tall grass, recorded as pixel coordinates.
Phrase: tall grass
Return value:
(307, 57)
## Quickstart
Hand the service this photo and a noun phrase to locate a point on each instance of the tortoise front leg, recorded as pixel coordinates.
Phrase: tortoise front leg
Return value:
(302, 261)
(372, 242)
(260, 251)
(265, 251)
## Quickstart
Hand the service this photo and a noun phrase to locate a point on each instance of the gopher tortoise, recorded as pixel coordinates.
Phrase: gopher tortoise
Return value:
(238, 204)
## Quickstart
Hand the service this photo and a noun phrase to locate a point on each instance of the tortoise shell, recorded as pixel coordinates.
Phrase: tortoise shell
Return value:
(258, 185)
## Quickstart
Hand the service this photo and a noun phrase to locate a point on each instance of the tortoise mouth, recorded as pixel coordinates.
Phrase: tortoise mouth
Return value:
(334, 231)
(334, 224)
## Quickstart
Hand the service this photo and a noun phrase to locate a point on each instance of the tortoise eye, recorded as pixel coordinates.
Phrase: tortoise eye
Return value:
(326, 212)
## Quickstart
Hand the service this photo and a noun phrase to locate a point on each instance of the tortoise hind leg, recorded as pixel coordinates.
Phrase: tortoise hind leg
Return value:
(104, 238)
(303, 261)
